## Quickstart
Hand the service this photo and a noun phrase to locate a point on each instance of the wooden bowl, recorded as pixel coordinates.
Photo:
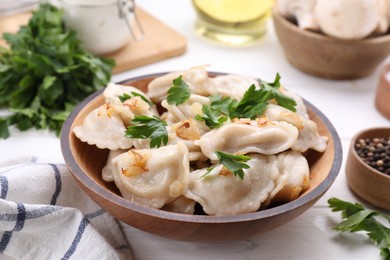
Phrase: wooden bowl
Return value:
(85, 162)
(383, 92)
(327, 57)
(368, 183)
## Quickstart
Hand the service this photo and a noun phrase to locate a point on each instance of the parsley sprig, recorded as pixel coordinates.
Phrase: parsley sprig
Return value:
(126, 96)
(144, 127)
(217, 112)
(273, 89)
(357, 218)
(45, 72)
(252, 104)
(234, 163)
(179, 92)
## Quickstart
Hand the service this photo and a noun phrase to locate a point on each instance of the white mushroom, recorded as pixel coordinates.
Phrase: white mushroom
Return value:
(347, 19)
(383, 9)
(301, 10)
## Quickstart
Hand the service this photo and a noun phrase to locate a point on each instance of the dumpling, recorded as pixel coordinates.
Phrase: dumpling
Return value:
(152, 177)
(222, 193)
(196, 78)
(109, 168)
(300, 107)
(294, 177)
(182, 132)
(134, 106)
(230, 85)
(236, 138)
(113, 91)
(181, 205)
(309, 136)
(187, 132)
(104, 128)
(189, 109)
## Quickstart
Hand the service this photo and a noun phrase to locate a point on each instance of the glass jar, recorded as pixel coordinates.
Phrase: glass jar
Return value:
(103, 26)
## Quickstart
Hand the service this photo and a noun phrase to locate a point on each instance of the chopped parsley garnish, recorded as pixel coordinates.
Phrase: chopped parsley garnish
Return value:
(126, 96)
(217, 112)
(356, 219)
(144, 127)
(252, 104)
(281, 99)
(233, 163)
(179, 92)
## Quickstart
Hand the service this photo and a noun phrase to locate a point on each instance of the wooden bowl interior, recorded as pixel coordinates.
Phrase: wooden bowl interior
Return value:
(90, 160)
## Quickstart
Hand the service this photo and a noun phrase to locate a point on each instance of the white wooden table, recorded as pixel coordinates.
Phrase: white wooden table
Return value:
(348, 104)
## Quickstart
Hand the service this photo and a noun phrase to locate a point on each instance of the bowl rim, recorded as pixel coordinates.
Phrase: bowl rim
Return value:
(313, 195)
(322, 37)
(359, 159)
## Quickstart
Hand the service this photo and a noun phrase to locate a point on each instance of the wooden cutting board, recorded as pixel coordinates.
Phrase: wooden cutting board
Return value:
(160, 41)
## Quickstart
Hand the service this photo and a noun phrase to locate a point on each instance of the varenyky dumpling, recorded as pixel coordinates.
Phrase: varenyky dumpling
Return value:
(300, 107)
(230, 85)
(151, 177)
(104, 128)
(308, 133)
(109, 168)
(294, 177)
(196, 78)
(221, 193)
(128, 109)
(181, 205)
(236, 138)
(187, 132)
(189, 109)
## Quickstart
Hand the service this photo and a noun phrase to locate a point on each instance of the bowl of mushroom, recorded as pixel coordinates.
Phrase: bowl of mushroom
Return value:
(190, 154)
(343, 39)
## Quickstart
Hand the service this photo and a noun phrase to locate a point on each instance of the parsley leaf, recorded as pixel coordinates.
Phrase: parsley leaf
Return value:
(357, 218)
(179, 92)
(215, 114)
(126, 96)
(148, 127)
(252, 104)
(4, 133)
(274, 93)
(233, 163)
(45, 72)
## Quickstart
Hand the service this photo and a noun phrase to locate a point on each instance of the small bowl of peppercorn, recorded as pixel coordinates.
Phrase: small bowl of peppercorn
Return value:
(368, 166)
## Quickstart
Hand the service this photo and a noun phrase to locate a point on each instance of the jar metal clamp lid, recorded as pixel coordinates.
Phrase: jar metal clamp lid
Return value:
(126, 8)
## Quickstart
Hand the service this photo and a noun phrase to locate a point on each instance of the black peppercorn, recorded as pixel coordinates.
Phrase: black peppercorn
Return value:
(375, 153)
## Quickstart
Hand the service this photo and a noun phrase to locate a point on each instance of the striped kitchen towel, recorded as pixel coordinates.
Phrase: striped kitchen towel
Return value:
(45, 215)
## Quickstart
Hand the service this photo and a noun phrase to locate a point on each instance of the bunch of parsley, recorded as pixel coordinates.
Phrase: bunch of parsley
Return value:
(46, 72)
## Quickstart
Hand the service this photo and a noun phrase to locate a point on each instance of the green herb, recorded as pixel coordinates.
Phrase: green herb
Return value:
(148, 127)
(273, 89)
(234, 163)
(217, 112)
(126, 96)
(179, 92)
(253, 104)
(357, 218)
(45, 73)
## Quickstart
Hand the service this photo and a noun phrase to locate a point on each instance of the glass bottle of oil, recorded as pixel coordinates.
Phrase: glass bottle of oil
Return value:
(232, 22)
